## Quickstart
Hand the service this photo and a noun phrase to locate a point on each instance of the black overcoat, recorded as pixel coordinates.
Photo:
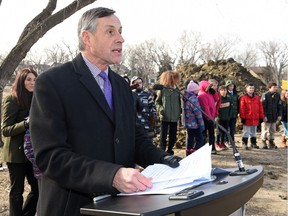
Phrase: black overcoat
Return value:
(78, 141)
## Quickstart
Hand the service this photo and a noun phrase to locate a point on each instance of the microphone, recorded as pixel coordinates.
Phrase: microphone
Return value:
(241, 169)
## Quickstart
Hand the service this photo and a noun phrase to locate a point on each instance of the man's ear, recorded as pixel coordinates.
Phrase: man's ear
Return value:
(86, 37)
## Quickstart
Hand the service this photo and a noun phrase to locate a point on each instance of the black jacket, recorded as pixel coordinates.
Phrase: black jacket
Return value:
(78, 141)
(272, 106)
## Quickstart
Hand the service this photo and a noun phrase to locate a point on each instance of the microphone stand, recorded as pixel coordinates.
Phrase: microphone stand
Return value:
(241, 169)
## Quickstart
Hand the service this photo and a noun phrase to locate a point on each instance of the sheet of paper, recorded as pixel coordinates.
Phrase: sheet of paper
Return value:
(195, 165)
(170, 190)
(193, 168)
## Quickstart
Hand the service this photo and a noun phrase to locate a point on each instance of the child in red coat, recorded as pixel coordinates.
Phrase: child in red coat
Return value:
(251, 114)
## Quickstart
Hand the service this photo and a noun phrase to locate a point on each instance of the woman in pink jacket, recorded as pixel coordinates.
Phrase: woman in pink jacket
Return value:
(208, 104)
(251, 114)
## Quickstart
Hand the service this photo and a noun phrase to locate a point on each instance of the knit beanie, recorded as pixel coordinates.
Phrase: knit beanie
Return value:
(192, 86)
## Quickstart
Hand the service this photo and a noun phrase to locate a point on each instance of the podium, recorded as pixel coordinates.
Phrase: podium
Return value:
(223, 196)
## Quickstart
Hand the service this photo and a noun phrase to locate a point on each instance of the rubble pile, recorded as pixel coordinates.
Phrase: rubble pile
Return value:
(222, 71)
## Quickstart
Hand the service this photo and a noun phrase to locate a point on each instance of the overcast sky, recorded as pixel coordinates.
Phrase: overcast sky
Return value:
(165, 20)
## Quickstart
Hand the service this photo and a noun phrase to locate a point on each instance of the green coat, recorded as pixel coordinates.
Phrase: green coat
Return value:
(234, 103)
(225, 113)
(13, 130)
(168, 105)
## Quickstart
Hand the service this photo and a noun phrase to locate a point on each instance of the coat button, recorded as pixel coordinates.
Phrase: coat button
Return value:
(116, 140)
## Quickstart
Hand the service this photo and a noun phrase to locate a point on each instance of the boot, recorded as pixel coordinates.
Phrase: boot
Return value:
(264, 144)
(245, 142)
(283, 143)
(272, 144)
(224, 146)
(254, 143)
(218, 147)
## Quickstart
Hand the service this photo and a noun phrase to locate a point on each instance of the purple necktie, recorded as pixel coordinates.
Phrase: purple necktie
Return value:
(107, 89)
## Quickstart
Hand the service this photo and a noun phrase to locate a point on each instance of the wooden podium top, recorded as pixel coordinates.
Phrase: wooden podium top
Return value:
(223, 196)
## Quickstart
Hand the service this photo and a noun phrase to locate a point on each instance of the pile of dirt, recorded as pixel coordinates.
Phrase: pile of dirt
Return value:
(222, 71)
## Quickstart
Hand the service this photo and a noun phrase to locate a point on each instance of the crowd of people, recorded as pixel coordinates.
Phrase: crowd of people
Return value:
(72, 132)
(210, 111)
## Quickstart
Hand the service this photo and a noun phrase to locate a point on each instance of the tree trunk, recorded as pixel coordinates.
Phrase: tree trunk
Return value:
(33, 31)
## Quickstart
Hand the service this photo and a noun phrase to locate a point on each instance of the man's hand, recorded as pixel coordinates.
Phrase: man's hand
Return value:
(265, 119)
(171, 160)
(129, 180)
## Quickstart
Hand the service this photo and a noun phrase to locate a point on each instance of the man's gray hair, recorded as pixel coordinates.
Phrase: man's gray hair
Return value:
(87, 22)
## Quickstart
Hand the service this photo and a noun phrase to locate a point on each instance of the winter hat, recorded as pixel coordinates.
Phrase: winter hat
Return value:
(229, 82)
(134, 78)
(192, 86)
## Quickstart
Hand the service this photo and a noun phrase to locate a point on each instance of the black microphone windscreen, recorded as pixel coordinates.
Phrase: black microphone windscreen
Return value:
(158, 87)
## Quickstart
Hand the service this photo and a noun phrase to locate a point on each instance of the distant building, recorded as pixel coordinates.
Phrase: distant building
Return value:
(152, 79)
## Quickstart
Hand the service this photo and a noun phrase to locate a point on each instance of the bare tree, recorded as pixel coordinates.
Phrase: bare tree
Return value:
(276, 58)
(148, 58)
(161, 55)
(139, 60)
(189, 47)
(219, 49)
(33, 31)
(56, 55)
(72, 51)
(35, 60)
(248, 57)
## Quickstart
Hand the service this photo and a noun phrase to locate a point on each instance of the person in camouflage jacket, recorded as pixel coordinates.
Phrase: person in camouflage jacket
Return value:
(148, 115)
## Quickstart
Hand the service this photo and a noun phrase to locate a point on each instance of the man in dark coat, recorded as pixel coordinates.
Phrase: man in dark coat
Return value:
(272, 107)
(83, 147)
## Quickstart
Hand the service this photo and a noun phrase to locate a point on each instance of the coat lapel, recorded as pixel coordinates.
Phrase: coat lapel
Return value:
(91, 85)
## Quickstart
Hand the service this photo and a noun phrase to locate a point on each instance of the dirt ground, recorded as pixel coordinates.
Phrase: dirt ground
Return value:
(270, 200)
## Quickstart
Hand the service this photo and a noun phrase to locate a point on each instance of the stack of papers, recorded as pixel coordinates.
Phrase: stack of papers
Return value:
(194, 170)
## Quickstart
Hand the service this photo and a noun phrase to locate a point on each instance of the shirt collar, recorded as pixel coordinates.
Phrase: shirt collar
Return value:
(93, 68)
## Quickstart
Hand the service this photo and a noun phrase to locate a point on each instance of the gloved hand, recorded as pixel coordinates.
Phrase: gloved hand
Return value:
(26, 123)
(171, 160)
(212, 91)
(243, 121)
(209, 87)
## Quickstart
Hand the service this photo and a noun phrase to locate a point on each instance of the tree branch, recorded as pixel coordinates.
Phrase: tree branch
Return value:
(34, 31)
